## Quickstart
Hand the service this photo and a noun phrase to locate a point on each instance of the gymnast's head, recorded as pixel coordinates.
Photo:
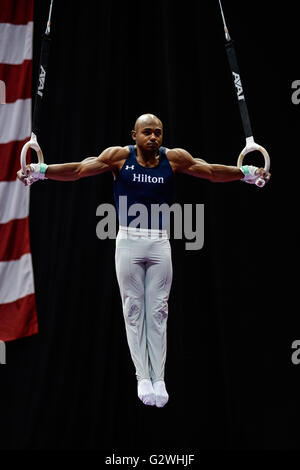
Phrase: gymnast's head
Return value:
(148, 131)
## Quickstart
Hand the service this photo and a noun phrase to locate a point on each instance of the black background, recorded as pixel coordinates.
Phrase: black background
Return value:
(232, 308)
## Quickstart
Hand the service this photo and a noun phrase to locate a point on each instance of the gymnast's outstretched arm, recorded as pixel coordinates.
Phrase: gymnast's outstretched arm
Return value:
(108, 160)
(183, 162)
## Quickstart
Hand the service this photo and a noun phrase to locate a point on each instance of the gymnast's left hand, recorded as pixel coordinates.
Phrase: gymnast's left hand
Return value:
(252, 174)
(265, 175)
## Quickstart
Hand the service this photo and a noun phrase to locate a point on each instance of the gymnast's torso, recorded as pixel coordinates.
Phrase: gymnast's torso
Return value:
(150, 186)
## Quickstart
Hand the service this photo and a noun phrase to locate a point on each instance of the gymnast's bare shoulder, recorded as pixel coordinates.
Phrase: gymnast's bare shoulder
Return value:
(114, 158)
(111, 159)
(180, 159)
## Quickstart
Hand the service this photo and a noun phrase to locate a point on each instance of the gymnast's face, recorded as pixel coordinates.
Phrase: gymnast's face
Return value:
(148, 134)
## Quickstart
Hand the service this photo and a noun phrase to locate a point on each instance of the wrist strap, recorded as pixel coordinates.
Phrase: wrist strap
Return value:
(250, 173)
(38, 171)
(245, 170)
(43, 168)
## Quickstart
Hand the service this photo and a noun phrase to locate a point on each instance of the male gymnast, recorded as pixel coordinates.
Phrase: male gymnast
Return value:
(144, 173)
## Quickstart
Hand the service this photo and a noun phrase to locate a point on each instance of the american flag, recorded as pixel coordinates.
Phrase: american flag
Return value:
(18, 316)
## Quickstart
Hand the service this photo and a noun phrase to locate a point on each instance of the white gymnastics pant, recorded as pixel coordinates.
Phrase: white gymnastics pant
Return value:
(144, 273)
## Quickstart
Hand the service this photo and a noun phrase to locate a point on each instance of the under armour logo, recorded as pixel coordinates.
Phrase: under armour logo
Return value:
(129, 167)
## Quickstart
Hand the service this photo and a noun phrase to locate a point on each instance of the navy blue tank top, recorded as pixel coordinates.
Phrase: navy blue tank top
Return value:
(139, 191)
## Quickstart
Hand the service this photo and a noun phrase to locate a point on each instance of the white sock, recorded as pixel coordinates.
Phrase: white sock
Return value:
(146, 392)
(161, 394)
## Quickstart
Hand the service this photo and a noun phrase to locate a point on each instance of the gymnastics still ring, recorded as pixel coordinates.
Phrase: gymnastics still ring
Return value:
(251, 145)
(33, 143)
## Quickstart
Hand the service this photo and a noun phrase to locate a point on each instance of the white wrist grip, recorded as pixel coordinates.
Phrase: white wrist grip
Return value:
(251, 146)
(32, 143)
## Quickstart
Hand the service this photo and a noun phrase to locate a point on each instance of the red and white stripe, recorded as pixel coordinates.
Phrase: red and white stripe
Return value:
(18, 317)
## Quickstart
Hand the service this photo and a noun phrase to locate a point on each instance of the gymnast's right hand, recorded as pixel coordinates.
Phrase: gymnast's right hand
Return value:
(24, 178)
(33, 173)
